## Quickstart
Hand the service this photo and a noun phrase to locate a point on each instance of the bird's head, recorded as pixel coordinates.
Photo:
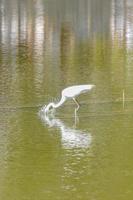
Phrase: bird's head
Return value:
(49, 108)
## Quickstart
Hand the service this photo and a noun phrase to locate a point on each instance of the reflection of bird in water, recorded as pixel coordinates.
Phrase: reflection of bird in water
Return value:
(70, 137)
(69, 93)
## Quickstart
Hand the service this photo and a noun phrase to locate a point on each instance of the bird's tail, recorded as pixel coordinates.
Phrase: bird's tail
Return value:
(89, 87)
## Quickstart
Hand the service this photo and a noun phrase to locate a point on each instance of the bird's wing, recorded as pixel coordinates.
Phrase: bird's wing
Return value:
(75, 90)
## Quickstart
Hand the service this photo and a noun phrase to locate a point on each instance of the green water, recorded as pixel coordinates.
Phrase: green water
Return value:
(46, 46)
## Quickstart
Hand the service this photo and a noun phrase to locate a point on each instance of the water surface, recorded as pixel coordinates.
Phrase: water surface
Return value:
(46, 46)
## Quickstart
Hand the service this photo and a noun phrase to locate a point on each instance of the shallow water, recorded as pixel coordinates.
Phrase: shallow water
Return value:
(46, 46)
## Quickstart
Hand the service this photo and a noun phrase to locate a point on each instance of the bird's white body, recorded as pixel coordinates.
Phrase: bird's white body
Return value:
(69, 93)
(73, 91)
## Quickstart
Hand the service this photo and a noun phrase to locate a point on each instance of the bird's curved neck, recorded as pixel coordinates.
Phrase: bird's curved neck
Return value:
(56, 105)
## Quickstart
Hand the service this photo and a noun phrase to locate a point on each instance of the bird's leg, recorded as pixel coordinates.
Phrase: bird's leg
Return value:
(77, 103)
(76, 119)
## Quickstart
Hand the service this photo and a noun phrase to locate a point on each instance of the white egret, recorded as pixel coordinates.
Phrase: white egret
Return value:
(69, 93)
